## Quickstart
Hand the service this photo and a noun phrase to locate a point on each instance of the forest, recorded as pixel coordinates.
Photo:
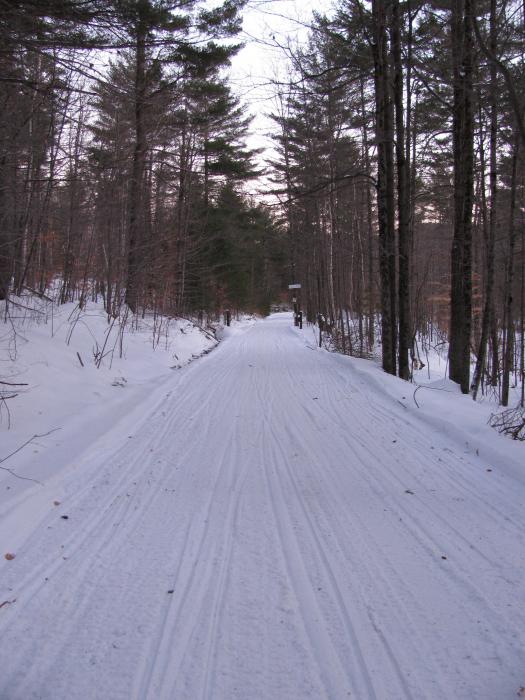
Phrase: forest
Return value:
(396, 193)
(123, 155)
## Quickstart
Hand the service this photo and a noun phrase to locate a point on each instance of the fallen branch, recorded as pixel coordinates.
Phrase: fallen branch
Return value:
(207, 333)
(424, 386)
(18, 449)
(3, 403)
(5, 395)
(510, 422)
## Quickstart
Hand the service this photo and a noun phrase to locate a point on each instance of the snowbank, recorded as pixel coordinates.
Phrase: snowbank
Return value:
(436, 402)
(79, 374)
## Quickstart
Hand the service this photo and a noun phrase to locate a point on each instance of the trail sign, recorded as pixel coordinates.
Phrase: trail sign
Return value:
(297, 314)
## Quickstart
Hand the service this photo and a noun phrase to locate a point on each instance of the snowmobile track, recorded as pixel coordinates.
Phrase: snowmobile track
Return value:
(274, 527)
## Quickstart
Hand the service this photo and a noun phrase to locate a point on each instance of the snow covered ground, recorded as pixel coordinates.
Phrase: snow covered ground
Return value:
(80, 375)
(272, 521)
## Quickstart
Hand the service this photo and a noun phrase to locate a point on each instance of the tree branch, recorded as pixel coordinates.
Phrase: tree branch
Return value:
(18, 449)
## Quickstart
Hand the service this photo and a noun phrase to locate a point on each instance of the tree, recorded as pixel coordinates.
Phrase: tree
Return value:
(463, 147)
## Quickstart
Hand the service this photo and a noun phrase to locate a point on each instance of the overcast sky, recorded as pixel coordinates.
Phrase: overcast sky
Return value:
(267, 25)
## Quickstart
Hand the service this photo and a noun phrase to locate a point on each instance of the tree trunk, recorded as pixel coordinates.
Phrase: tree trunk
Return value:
(385, 186)
(491, 239)
(463, 138)
(137, 172)
(403, 204)
(6, 247)
(369, 225)
(508, 317)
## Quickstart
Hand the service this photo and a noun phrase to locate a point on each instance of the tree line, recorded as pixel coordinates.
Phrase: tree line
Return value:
(399, 168)
(123, 157)
(398, 172)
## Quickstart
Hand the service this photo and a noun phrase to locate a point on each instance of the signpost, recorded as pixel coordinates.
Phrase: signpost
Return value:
(297, 313)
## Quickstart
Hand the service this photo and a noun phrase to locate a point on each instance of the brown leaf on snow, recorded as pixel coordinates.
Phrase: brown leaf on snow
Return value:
(56, 503)
(521, 692)
(9, 556)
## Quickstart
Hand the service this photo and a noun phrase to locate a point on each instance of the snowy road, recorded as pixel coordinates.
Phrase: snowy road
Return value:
(271, 528)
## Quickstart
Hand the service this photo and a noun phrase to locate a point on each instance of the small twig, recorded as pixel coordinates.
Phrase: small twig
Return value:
(12, 384)
(18, 449)
(23, 478)
(99, 355)
(79, 358)
(424, 386)
(4, 403)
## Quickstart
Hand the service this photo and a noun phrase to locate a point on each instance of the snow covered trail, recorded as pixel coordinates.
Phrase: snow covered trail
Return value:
(274, 529)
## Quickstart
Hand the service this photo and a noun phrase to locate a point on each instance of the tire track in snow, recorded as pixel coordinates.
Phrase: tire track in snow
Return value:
(420, 446)
(192, 589)
(348, 527)
(356, 529)
(320, 642)
(99, 527)
(368, 449)
(302, 585)
(160, 680)
(326, 527)
(461, 582)
(218, 605)
(325, 545)
(368, 453)
(122, 472)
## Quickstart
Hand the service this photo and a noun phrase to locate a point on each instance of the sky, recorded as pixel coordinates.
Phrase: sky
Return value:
(268, 25)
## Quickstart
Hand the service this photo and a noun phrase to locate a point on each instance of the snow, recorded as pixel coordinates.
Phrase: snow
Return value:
(73, 404)
(270, 521)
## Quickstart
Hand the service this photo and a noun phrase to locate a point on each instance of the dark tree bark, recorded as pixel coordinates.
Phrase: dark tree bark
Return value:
(508, 312)
(369, 223)
(491, 237)
(6, 247)
(385, 185)
(403, 203)
(463, 139)
(139, 159)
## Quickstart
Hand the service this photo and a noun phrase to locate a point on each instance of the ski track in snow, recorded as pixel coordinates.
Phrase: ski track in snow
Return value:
(273, 529)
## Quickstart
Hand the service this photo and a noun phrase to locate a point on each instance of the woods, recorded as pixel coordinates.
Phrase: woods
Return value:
(121, 145)
(397, 175)
(399, 154)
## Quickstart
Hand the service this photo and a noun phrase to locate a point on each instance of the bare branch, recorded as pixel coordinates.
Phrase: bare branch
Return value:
(18, 449)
